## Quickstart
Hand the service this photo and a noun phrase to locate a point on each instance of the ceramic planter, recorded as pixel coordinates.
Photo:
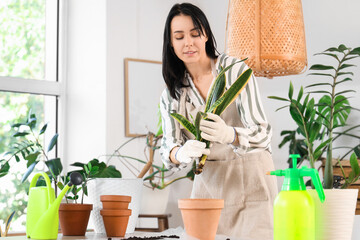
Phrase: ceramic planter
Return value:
(201, 216)
(115, 186)
(74, 218)
(115, 201)
(115, 222)
(335, 217)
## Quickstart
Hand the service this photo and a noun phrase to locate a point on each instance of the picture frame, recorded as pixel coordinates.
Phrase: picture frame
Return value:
(143, 87)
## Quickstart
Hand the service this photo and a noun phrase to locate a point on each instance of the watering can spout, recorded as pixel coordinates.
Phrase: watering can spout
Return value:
(42, 218)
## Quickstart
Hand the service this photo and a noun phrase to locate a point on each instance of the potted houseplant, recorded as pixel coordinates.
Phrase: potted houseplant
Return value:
(29, 148)
(74, 217)
(320, 124)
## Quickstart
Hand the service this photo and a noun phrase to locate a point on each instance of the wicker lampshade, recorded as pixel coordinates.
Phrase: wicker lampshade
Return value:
(270, 33)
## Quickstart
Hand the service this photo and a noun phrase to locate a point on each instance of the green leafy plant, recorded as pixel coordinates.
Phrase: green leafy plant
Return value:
(216, 103)
(7, 225)
(321, 123)
(158, 177)
(28, 148)
(91, 170)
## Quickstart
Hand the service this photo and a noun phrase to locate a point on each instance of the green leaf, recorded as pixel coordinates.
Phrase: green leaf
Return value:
(43, 129)
(231, 94)
(108, 172)
(346, 66)
(301, 92)
(333, 49)
(344, 80)
(17, 158)
(321, 67)
(342, 48)
(29, 171)
(199, 116)
(296, 116)
(291, 90)
(60, 185)
(326, 92)
(55, 166)
(8, 220)
(328, 54)
(184, 122)
(53, 142)
(217, 90)
(319, 84)
(355, 51)
(345, 73)
(31, 122)
(322, 74)
(5, 167)
(354, 164)
(86, 169)
(346, 91)
(32, 156)
(279, 98)
(20, 134)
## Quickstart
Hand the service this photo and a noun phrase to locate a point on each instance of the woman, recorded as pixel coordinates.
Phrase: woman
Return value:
(239, 154)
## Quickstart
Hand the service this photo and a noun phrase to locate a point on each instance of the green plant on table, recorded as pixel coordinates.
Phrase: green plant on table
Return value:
(91, 170)
(28, 148)
(217, 102)
(158, 175)
(321, 123)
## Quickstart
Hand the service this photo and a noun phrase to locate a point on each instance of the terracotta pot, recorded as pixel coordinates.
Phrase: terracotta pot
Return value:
(201, 216)
(115, 201)
(74, 218)
(115, 222)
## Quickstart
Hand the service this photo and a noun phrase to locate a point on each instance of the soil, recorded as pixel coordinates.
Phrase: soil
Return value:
(149, 238)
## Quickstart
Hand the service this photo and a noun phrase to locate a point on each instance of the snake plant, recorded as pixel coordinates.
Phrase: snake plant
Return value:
(217, 101)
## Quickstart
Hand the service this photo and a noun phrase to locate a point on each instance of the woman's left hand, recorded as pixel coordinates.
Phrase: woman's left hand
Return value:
(217, 130)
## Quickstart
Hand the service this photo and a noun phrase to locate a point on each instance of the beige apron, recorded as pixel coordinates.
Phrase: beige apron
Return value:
(239, 180)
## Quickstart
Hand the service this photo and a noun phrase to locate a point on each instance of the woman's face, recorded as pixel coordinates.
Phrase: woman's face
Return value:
(187, 41)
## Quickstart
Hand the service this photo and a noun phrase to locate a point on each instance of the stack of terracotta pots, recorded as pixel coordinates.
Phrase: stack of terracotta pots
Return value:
(115, 214)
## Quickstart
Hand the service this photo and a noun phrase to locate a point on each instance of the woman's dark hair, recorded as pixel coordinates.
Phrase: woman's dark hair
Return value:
(173, 69)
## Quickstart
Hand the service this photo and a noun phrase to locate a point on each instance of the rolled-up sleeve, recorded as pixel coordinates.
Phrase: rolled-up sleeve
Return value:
(171, 130)
(256, 132)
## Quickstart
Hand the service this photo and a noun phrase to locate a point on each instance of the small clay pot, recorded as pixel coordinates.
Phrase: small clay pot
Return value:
(201, 216)
(115, 222)
(115, 201)
(74, 218)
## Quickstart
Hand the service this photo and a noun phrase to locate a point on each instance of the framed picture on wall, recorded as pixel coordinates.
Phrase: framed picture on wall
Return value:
(143, 86)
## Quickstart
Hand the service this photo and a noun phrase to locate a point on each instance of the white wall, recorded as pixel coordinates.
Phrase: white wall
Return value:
(103, 33)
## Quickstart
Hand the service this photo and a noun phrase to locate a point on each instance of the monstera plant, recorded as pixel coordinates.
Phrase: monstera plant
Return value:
(217, 101)
(321, 123)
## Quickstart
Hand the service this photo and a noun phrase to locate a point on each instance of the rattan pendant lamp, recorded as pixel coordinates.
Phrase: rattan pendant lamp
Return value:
(270, 33)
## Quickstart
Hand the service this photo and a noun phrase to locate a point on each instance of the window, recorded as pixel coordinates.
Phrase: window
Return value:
(28, 81)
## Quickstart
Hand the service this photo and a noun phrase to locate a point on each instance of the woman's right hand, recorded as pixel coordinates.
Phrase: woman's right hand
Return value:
(190, 150)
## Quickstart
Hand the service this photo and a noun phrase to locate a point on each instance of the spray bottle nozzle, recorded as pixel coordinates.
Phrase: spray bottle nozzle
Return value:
(294, 159)
(294, 177)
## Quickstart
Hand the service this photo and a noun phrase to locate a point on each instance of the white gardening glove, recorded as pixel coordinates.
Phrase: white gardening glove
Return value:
(191, 149)
(216, 131)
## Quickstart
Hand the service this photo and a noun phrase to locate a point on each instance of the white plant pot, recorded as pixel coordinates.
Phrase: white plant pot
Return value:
(335, 217)
(114, 186)
(154, 201)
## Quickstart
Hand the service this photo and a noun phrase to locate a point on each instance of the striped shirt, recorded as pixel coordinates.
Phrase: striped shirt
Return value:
(254, 136)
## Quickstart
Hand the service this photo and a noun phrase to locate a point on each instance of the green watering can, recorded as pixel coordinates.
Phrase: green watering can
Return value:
(42, 219)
